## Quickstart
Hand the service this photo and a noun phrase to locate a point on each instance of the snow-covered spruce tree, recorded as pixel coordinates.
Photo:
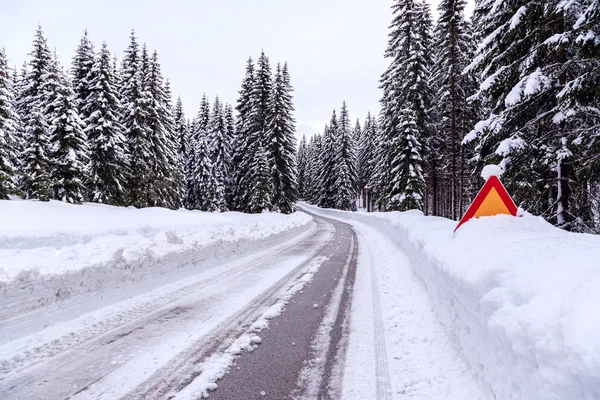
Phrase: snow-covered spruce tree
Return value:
(206, 190)
(578, 104)
(281, 128)
(134, 102)
(241, 143)
(36, 162)
(198, 134)
(431, 137)
(80, 68)
(261, 92)
(220, 149)
(231, 138)
(108, 164)
(365, 158)
(69, 148)
(381, 169)
(404, 83)
(183, 147)
(452, 40)
(313, 169)
(32, 103)
(407, 184)
(258, 130)
(179, 167)
(345, 164)
(18, 138)
(19, 144)
(302, 162)
(527, 63)
(164, 180)
(8, 130)
(329, 155)
(360, 183)
(260, 194)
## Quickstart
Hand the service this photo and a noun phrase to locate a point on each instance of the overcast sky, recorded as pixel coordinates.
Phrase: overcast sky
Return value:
(334, 48)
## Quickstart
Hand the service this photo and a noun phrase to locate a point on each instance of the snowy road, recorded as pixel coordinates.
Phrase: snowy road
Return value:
(335, 313)
(397, 349)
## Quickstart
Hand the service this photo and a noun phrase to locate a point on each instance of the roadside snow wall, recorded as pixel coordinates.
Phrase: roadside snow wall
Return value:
(520, 297)
(59, 260)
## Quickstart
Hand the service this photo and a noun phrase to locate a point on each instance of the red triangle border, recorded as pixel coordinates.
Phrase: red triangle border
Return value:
(492, 183)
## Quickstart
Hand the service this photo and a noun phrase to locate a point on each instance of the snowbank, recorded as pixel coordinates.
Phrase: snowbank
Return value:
(520, 297)
(53, 252)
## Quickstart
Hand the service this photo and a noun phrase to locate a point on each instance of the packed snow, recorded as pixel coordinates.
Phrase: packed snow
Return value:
(60, 251)
(217, 365)
(517, 296)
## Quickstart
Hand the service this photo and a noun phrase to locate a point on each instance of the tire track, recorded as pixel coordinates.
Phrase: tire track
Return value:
(383, 386)
(187, 366)
(112, 324)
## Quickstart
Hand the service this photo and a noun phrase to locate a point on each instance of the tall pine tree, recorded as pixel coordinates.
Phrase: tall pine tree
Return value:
(69, 148)
(281, 136)
(134, 101)
(32, 104)
(81, 66)
(8, 131)
(108, 147)
(345, 164)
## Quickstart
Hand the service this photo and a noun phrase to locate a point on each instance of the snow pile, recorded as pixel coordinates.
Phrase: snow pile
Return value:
(491, 170)
(519, 296)
(57, 251)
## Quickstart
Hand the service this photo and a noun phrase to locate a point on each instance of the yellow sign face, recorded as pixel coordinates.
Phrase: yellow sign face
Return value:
(492, 205)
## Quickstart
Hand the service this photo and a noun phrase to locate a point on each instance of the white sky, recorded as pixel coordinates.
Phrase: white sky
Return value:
(334, 48)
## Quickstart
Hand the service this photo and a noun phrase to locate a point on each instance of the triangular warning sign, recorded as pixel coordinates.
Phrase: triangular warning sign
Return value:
(493, 199)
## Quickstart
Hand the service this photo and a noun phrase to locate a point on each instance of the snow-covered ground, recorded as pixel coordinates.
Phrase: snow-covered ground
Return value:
(516, 299)
(54, 255)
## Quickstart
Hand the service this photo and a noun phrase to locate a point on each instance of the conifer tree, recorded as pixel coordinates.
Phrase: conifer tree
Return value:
(183, 147)
(404, 84)
(329, 156)
(32, 103)
(220, 149)
(345, 164)
(357, 137)
(81, 66)
(108, 166)
(455, 116)
(313, 169)
(8, 131)
(261, 92)
(198, 136)
(260, 194)
(366, 157)
(207, 191)
(257, 133)
(164, 179)
(69, 148)
(19, 137)
(407, 183)
(242, 142)
(281, 136)
(36, 162)
(302, 162)
(134, 101)
(231, 138)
